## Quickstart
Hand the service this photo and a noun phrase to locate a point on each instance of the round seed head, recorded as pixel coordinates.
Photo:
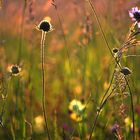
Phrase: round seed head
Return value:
(14, 70)
(115, 50)
(126, 71)
(45, 26)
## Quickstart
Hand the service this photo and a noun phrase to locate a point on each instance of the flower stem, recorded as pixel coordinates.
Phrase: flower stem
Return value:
(107, 44)
(43, 83)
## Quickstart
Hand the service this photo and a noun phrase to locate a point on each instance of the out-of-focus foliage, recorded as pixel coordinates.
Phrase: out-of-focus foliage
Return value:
(78, 66)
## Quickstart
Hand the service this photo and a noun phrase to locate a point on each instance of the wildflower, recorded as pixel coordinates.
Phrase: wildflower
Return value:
(127, 121)
(125, 71)
(134, 13)
(128, 124)
(78, 89)
(115, 128)
(39, 124)
(75, 117)
(14, 70)
(67, 128)
(76, 110)
(76, 105)
(45, 25)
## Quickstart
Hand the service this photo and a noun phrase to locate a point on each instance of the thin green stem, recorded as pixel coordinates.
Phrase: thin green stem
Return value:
(111, 81)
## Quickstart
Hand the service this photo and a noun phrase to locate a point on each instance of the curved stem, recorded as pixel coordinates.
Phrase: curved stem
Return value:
(104, 37)
(101, 105)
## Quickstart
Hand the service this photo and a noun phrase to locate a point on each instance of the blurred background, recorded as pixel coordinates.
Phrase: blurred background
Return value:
(77, 65)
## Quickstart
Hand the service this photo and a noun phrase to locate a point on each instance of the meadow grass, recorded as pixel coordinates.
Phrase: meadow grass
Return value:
(85, 85)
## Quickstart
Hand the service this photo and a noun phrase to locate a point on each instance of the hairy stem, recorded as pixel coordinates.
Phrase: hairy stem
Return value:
(43, 83)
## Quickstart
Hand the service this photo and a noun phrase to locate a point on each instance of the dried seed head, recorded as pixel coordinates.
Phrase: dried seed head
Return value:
(125, 71)
(115, 50)
(117, 53)
(14, 70)
(45, 25)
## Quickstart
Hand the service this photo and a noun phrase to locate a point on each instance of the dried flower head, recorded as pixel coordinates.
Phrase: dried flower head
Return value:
(14, 70)
(126, 71)
(134, 13)
(116, 53)
(115, 50)
(45, 25)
